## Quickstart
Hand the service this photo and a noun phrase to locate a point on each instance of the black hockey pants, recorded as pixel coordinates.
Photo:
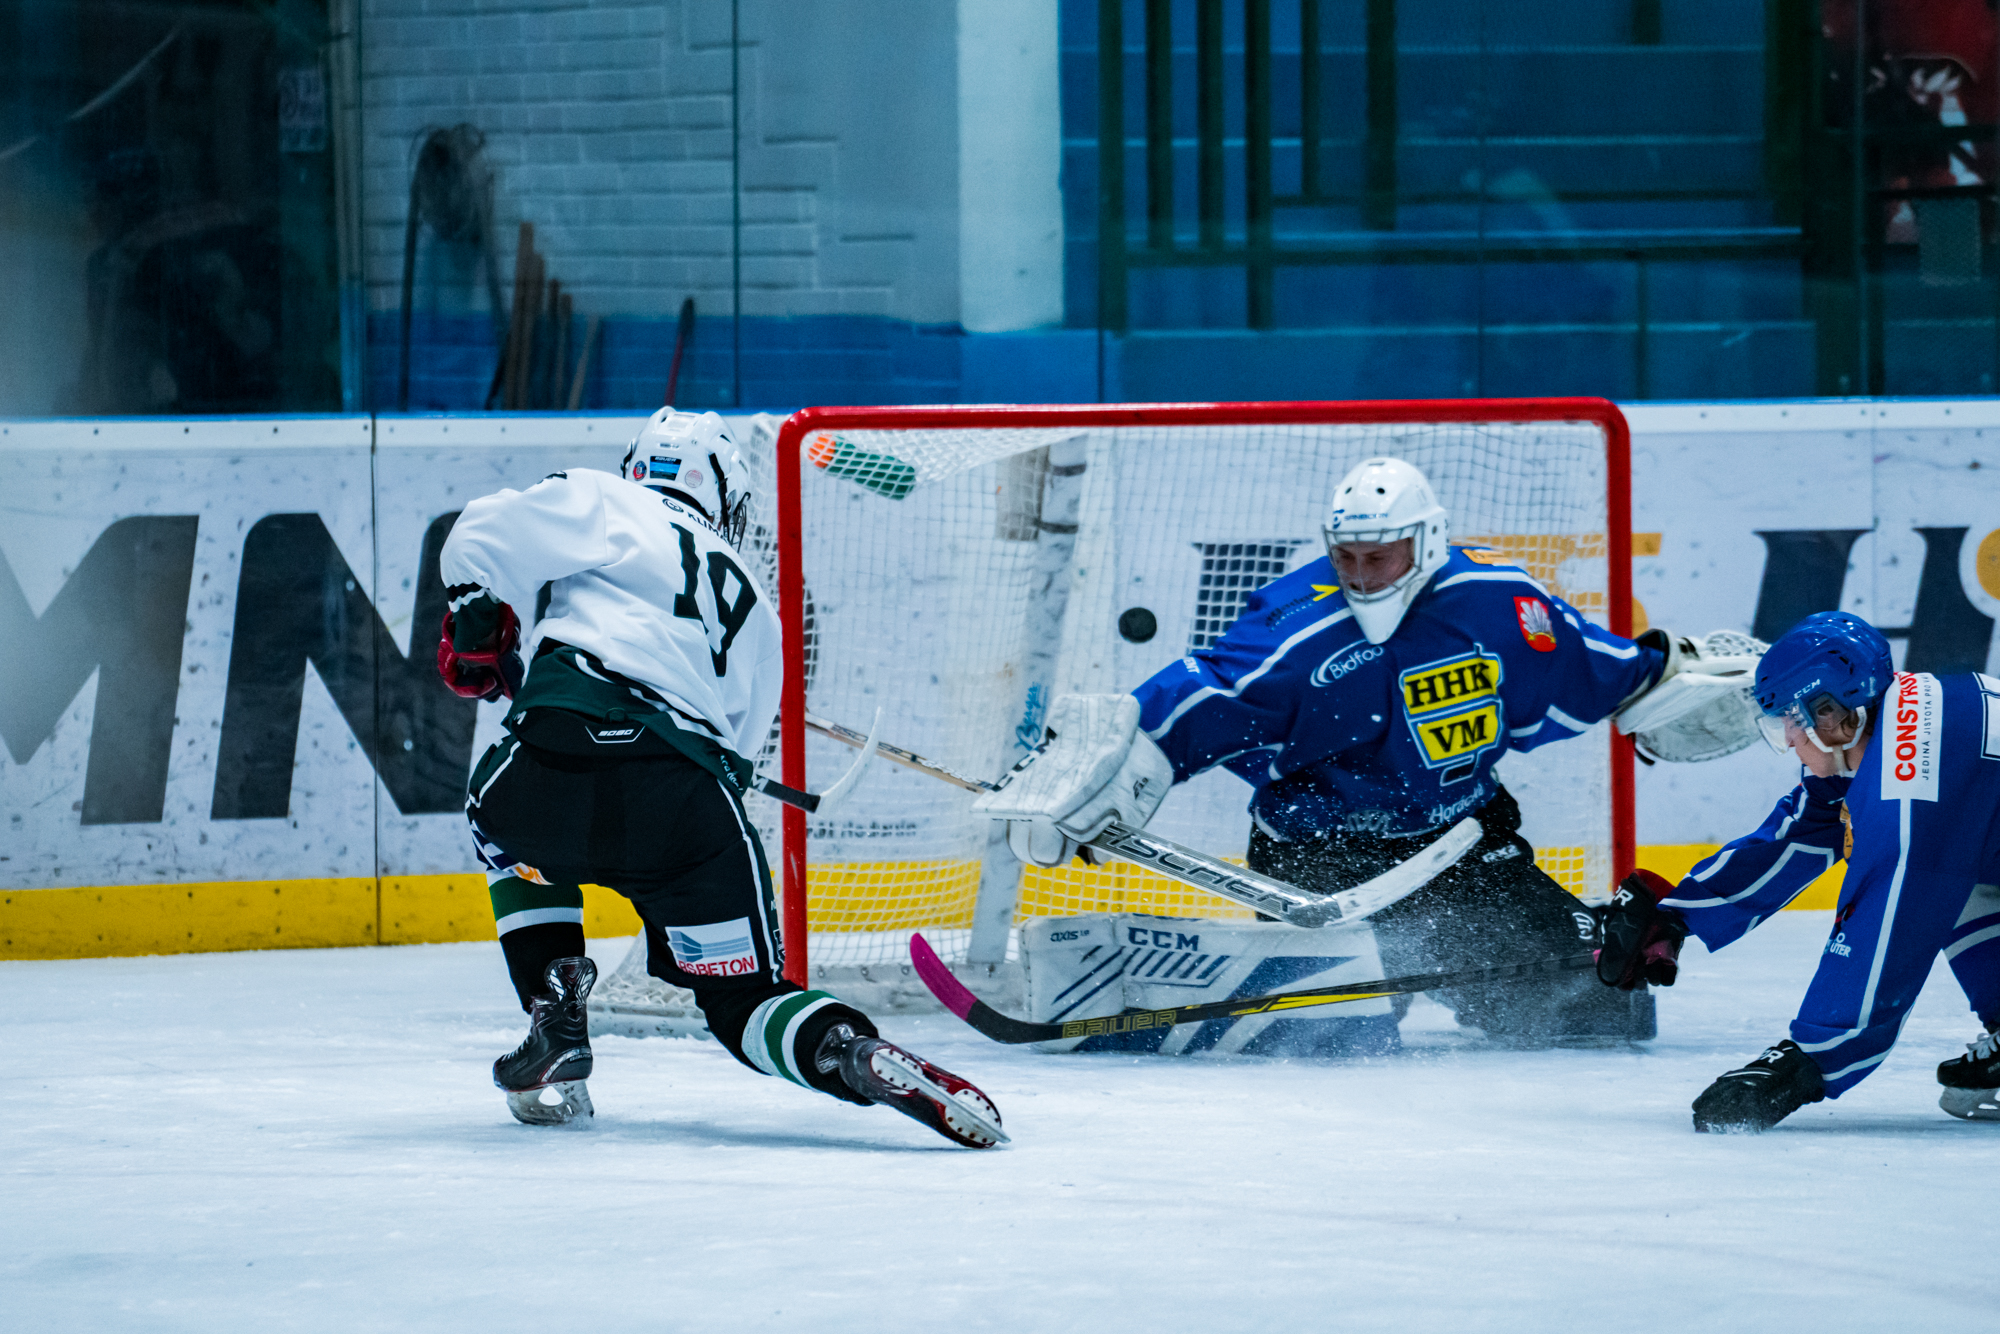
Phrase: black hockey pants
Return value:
(640, 818)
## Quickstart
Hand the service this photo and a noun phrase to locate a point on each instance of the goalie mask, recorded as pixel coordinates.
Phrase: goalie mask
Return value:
(1820, 678)
(1388, 501)
(691, 457)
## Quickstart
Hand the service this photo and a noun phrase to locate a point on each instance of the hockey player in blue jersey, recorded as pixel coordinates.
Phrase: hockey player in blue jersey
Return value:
(1902, 781)
(1366, 698)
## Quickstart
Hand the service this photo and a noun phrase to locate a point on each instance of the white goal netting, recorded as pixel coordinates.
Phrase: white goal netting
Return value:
(960, 579)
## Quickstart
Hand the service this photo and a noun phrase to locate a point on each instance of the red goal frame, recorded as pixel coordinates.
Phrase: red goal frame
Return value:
(791, 561)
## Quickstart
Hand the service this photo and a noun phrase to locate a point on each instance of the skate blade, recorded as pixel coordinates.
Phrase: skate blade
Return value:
(1971, 1104)
(532, 1108)
(906, 1075)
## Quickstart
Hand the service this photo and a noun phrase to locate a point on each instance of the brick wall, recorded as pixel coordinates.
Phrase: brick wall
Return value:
(608, 127)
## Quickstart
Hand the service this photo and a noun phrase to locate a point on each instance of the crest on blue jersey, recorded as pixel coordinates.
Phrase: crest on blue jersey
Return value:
(1452, 707)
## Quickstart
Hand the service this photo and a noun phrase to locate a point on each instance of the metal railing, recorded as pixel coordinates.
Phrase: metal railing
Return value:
(1258, 249)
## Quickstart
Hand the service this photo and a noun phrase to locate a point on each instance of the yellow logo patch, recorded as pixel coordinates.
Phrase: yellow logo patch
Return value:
(1453, 707)
(1447, 684)
(1460, 735)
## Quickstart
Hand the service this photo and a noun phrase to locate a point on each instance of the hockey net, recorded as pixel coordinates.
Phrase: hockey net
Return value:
(959, 568)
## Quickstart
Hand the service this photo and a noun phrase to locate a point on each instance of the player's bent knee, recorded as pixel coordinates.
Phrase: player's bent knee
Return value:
(776, 1028)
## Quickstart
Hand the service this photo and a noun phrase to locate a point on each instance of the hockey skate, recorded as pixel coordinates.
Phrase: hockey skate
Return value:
(1972, 1082)
(1757, 1096)
(883, 1072)
(554, 1059)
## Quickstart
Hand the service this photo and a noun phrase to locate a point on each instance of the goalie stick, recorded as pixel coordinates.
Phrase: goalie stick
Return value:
(1286, 902)
(1005, 1028)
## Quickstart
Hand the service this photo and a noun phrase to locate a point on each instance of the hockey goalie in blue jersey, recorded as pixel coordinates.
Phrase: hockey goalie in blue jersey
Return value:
(1902, 781)
(1366, 698)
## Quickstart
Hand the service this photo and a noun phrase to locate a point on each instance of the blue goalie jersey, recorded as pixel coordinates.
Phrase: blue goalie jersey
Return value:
(1336, 733)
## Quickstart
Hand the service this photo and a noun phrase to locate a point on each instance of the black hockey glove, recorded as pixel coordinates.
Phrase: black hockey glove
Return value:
(1641, 941)
(487, 672)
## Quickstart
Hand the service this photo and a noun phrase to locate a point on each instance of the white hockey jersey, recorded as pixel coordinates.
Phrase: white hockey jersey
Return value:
(640, 582)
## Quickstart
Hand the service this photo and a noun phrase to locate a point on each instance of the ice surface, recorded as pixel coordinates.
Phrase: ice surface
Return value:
(308, 1140)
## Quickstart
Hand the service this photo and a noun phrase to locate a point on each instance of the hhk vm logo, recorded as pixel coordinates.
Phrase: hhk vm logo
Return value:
(1453, 707)
(1536, 627)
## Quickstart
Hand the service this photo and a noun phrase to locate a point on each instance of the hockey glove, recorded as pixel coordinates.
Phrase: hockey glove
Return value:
(483, 673)
(1641, 940)
(1095, 767)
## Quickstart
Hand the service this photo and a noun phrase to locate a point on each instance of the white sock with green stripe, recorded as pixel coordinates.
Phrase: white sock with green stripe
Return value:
(771, 1037)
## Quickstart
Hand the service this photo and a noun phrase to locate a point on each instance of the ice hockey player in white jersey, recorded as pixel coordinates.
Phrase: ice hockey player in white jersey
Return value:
(1366, 698)
(651, 681)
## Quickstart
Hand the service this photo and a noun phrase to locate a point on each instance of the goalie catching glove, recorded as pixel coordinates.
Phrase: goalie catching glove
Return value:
(1095, 767)
(1700, 708)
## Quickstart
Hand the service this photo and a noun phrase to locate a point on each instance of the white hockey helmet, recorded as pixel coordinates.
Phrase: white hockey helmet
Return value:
(1386, 500)
(690, 456)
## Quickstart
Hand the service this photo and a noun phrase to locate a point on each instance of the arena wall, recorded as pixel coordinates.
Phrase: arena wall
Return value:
(221, 730)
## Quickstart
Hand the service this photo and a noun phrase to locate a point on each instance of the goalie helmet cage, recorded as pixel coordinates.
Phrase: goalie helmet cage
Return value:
(959, 566)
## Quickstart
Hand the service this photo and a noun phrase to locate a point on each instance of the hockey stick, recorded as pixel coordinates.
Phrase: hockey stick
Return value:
(1005, 1028)
(1286, 902)
(822, 802)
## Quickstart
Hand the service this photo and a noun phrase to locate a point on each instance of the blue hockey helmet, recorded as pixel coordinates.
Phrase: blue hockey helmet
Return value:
(1825, 668)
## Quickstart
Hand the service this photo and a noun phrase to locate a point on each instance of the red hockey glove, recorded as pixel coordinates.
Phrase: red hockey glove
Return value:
(1641, 941)
(486, 673)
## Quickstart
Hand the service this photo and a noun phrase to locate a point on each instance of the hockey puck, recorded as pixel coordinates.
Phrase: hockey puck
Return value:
(1137, 624)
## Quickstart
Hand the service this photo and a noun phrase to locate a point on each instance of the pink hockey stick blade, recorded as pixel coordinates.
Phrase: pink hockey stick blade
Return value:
(938, 978)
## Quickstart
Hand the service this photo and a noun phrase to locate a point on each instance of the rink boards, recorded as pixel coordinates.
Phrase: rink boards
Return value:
(264, 761)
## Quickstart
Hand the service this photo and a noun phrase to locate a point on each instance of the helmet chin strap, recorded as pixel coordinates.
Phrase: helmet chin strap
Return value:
(1839, 753)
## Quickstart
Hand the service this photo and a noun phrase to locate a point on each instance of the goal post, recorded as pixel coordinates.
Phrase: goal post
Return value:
(958, 566)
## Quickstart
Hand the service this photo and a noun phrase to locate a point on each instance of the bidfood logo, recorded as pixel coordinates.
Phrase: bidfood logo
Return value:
(1343, 662)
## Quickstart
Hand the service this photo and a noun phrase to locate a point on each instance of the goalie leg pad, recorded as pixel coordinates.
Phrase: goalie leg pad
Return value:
(1085, 968)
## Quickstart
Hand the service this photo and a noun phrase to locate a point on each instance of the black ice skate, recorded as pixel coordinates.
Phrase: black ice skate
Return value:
(1972, 1082)
(554, 1059)
(1757, 1096)
(883, 1072)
